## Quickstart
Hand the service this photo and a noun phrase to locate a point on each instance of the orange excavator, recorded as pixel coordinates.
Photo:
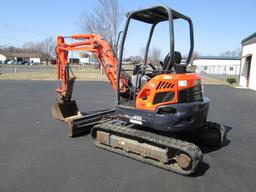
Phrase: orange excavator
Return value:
(154, 106)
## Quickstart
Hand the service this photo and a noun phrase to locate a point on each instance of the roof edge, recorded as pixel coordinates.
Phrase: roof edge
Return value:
(218, 57)
(248, 38)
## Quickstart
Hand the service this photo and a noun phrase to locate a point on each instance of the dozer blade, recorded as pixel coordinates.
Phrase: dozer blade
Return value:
(212, 134)
(63, 110)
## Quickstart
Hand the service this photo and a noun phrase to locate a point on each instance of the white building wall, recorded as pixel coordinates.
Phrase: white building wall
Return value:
(217, 66)
(247, 51)
(2, 57)
(35, 60)
(84, 60)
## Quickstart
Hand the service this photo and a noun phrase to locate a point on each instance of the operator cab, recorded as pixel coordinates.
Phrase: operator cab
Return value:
(171, 63)
(142, 79)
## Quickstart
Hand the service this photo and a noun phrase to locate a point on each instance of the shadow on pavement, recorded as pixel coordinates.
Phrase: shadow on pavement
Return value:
(203, 167)
(208, 149)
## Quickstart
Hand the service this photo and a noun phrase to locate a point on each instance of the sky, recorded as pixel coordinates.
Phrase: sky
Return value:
(219, 25)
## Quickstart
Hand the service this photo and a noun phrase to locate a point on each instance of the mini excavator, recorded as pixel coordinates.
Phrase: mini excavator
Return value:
(153, 105)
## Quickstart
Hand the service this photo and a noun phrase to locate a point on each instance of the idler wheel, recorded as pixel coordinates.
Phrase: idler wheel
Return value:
(183, 160)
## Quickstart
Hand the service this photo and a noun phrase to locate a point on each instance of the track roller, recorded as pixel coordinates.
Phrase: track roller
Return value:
(161, 151)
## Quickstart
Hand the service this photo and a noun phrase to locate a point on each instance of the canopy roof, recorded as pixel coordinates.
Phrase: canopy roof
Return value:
(155, 14)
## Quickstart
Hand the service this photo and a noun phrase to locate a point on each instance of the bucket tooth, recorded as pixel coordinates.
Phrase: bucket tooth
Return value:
(64, 110)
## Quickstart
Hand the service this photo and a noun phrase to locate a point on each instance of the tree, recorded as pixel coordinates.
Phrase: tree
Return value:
(32, 47)
(84, 55)
(136, 59)
(45, 47)
(155, 55)
(12, 49)
(104, 20)
(234, 53)
(142, 51)
(48, 49)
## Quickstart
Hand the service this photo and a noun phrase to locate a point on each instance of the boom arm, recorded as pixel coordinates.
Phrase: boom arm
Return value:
(91, 43)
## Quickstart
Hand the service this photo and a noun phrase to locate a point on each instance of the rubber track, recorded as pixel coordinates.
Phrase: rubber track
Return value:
(219, 128)
(181, 146)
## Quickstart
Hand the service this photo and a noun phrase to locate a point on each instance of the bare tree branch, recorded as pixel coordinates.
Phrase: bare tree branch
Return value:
(45, 47)
(234, 53)
(154, 54)
(105, 20)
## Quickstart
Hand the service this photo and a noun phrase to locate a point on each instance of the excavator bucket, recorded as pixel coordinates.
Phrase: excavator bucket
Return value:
(64, 110)
(78, 123)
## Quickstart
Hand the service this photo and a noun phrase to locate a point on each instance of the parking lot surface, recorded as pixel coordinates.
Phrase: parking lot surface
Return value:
(36, 155)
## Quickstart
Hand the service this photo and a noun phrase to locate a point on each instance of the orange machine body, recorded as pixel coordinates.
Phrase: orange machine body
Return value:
(165, 83)
(146, 97)
(90, 43)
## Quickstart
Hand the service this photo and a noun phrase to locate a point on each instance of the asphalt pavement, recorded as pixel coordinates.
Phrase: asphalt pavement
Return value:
(36, 155)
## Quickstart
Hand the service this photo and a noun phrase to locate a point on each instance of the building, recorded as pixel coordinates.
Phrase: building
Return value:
(2, 58)
(85, 60)
(248, 62)
(217, 65)
(20, 57)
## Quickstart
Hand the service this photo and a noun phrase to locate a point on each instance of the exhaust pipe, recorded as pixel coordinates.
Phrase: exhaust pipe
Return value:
(63, 110)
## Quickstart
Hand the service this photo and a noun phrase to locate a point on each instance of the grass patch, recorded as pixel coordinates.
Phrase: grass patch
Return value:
(87, 73)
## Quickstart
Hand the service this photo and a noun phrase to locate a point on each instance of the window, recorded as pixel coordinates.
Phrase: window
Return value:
(205, 68)
(231, 68)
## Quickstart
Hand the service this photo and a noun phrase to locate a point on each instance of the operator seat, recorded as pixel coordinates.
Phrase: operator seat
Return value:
(177, 58)
(179, 68)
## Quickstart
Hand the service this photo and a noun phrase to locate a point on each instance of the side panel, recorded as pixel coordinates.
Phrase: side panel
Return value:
(182, 117)
(135, 116)
(188, 116)
(167, 85)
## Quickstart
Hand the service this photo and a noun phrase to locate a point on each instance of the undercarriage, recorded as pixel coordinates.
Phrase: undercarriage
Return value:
(160, 149)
